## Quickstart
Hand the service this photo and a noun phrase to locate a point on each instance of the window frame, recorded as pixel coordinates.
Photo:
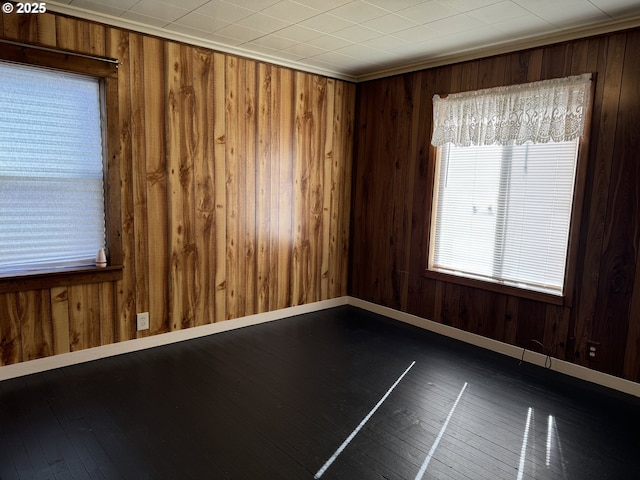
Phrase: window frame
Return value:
(566, 299)
(106, 71)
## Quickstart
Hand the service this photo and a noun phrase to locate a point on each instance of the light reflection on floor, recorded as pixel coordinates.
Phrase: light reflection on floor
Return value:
(554, 457)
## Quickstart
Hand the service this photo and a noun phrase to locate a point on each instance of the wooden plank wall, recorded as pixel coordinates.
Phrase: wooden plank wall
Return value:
(391, 197)
(236, 179)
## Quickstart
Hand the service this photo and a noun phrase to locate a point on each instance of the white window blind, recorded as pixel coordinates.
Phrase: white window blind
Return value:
(51, 169)
(502, 213)
(505, 178)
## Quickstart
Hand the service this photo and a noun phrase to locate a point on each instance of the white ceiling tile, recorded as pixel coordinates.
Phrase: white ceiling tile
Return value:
(255, 47)
(427, 12)
(298, 33)
(395, 5)
(223, 40)
(314, 62)
(336, 59)
(101, 7)
(417, 34)
(186, 4)
(122, 4)
(328, 42)
(255, 5)
(326, 23)
(390, 23)
(484, 35)
(456, 24)
(411, 50)
(275, 42)
(183, 29)
(239, 32)
(356, 33)
(618, 8)
(357, 51)
(522, 27)
(323, 4)
(466, 5)
(358, 11)
(201, 22)
(290, 11)
(566, 13)
(262, 23)
(443, 43)
(144, 19)
(304, 50)
(333, 57)
(386, 42)
(498, 12)
(224, 11)
(290, 56)
(159, 10)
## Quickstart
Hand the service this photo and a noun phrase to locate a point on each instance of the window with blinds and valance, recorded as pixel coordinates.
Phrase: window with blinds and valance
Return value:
(504, 183)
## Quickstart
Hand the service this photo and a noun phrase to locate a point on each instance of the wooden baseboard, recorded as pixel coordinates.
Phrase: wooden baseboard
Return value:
(73, 358)
(562, 366)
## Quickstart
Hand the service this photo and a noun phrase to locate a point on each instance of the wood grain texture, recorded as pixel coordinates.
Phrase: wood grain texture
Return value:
(139, 187)
(156, 183)
(118, 47)
(604, 309)
(60, 319)
(203, 73)
(220, 190)
(263, 186)
(10, 340)
(181, 144)
(209, 161)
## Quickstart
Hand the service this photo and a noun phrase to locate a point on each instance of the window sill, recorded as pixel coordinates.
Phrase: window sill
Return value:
(499, 288)
(59, 278)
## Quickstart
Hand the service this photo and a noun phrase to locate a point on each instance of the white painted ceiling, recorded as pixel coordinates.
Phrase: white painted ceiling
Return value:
(361, 39)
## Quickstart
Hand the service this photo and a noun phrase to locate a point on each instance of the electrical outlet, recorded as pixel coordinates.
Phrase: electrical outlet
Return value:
(142, 321)
(592, 347)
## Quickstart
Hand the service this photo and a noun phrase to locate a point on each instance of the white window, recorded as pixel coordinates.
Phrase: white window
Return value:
(504, 182)
(52, 209)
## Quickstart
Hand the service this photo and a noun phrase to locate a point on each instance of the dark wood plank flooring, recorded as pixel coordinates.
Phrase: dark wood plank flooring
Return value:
(275, 401)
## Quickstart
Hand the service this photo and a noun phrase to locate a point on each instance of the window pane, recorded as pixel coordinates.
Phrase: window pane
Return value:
(51, 169)
(503, 213)
(466, 219)
(538, 213)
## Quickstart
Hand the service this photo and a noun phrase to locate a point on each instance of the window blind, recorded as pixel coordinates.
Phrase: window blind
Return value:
(51, 169)
(503, 213)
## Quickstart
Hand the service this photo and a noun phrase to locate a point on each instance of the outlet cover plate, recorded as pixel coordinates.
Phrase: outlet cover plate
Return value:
(142, 321)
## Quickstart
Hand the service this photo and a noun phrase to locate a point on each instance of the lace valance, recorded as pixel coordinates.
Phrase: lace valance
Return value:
(541, 112)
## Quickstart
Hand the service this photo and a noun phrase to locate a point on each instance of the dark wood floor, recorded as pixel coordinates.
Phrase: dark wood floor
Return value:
(275, 401)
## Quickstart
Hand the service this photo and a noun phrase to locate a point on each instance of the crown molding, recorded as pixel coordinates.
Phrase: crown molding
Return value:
(497, 48)
(138, 27)
(501, 48)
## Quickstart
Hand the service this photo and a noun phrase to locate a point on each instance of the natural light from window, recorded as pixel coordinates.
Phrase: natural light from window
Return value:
(503, 212)
(504, 185)
(51, 169)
